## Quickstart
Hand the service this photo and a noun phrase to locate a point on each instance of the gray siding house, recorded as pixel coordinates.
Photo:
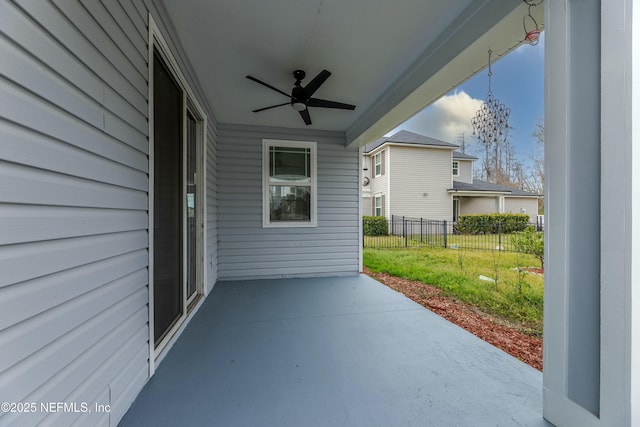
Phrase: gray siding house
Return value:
(407, 174)
(134, 176)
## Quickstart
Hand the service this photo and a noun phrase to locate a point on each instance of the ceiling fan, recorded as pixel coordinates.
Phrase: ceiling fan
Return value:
(301, 97)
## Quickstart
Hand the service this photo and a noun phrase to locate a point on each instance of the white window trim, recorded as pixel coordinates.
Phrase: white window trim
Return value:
(377, 164)
(455, 168)
(375, 202)
(266, 217)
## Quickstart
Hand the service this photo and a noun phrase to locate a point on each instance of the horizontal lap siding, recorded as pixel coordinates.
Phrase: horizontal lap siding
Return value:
(465, 171)
(516, 205)
(246, 249)
(420, 178)
(211, 257)
(73, 206)
(478, 205)
(378, 185)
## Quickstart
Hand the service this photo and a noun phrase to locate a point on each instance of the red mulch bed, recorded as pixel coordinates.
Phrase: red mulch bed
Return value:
(508, 338)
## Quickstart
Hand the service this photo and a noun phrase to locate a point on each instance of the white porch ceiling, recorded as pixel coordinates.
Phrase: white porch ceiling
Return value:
(379, 52)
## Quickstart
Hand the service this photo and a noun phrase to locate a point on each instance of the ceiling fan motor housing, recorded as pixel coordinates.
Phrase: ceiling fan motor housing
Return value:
(299, 75)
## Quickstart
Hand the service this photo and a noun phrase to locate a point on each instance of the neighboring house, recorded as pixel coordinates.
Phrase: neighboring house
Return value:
(407, 174)
(133, 177)
(478, 196)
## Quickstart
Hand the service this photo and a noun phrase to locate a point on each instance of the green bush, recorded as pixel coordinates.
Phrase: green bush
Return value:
(375, 226)
(530, 242)
(490, 223)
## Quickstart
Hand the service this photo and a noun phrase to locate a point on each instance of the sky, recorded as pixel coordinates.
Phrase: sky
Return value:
(517, 82)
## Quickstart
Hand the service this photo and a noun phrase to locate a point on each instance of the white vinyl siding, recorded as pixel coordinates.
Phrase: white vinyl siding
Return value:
(367, 209)
(465, 171)
(379, 184)
(420, 178)
(518, 204)
(479, 205)
(246, 249)
(74, 235)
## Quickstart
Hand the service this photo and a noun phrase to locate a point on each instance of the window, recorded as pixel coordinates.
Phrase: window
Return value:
(456, 168)
(289, 198)
(377, 164)
(377, 210)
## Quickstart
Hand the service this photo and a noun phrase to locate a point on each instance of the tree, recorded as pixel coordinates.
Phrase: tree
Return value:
(501, 164)
(535, 178)
(530, 242)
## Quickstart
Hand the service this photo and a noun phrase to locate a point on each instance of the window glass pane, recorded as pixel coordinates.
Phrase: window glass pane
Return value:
(290, 203)
(287, 164)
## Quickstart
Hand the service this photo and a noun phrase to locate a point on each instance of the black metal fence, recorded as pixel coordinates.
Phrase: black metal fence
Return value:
(407, 232)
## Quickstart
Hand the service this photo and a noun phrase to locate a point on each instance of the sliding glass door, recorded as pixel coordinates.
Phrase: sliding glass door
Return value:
(192, 207)
(176, 204)
(167, 196)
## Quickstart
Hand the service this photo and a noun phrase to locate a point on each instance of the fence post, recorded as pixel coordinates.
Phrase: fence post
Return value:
(499, 235)
(363, 232)
(404, 230)
(444, 229)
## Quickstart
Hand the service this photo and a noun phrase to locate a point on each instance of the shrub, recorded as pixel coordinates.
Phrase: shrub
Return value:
(375, 226)
(489, 223)
(530, 242)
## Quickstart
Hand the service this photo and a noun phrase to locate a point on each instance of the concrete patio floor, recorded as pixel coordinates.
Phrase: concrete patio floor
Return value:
(332, 352)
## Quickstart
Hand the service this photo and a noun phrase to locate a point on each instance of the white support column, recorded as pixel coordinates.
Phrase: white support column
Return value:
(592, 277)
(632, 25)
(618, 215)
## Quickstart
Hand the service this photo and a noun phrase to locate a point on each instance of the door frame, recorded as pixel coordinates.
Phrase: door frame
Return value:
(190, 103)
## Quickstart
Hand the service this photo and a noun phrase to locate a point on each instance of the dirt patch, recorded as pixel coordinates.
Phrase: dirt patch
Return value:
(506, 337)
(534, 270)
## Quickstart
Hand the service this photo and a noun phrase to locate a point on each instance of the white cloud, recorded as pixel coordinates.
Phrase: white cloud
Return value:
(445, 119)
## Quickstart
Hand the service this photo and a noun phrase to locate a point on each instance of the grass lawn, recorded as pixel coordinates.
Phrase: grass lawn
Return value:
(515, 297)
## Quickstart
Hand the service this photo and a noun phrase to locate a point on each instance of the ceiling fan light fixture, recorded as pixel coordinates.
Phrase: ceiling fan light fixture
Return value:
(298, 106)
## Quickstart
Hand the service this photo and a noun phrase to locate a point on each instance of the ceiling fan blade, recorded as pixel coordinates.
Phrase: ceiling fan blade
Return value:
(305, 116)
(315, 102)
(317, 81)
(268, 108)
(268, 85)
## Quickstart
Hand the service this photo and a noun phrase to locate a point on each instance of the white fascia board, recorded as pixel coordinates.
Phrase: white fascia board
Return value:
(406, 144)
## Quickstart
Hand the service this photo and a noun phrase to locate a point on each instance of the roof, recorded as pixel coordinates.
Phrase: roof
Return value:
(406, 137)
(463, 156)
(490, 187)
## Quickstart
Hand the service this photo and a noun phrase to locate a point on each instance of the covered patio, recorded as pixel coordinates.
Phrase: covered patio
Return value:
(142, 187)
(332, 352)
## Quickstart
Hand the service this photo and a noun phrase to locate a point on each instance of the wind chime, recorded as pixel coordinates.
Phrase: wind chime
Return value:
(492, 119)
(490, 124)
